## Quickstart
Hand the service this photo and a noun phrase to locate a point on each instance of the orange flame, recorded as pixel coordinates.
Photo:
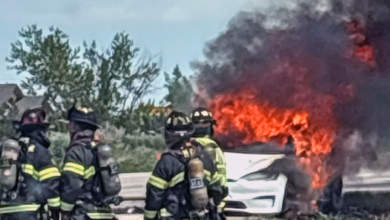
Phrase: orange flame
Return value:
(311, 122)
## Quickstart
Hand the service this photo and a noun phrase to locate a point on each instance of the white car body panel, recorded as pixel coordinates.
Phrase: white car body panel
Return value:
(256, 196)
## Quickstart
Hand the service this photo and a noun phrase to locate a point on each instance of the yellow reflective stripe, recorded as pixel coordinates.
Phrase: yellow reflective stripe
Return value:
(66, 206)
(97, 215)
(176, 179)
(49, 173)
(208, 175)
(19, 208)
(89, 172)
(164, 213)
(221, 207)
(158, 182)
(223, 180)
(75, 168)
(221, 165)
(54, 202)
(150, 214)
(29, 169)
(215, 178)
(221, 156)
(48, 170)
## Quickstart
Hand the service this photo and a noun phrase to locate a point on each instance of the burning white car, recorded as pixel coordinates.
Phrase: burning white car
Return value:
(250, 190)
(256, 187)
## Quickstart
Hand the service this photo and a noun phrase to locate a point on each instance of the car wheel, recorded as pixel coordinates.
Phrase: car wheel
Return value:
(332, 199)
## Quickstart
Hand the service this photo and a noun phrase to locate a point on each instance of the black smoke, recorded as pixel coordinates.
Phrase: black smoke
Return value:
(261, 49)
(264, 50)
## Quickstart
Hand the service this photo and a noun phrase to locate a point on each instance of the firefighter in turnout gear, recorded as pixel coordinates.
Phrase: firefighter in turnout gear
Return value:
(29, 181)
(184, 184)
(203, 121)
(81, 193)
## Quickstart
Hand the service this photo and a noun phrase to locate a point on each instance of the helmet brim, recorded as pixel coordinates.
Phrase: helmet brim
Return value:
(85, 121)
(27, 127)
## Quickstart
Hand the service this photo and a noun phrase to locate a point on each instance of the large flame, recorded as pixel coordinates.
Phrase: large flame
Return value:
(252, 118)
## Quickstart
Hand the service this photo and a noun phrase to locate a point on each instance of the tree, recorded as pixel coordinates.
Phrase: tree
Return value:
(113, 81)
(8, 113)
(179, 90)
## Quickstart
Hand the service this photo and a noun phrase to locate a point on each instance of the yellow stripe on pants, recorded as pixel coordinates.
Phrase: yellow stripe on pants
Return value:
(19, 208)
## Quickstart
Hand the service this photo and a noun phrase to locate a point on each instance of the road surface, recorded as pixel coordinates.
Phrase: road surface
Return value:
(133, 185)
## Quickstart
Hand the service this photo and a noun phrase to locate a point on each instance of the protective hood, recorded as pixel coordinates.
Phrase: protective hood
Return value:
(38, 136)
(82, 138)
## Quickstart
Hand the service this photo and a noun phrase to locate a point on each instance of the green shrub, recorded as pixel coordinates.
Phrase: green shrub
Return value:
(135, 153)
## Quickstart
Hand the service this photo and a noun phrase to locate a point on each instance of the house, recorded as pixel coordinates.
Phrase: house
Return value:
(157, 110)
(33, 101)
(13, 96)
(10, 93)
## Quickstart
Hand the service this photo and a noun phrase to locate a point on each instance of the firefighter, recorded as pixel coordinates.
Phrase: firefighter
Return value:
(203, 120)
(184, 184)
(79, 193)
(37, 179)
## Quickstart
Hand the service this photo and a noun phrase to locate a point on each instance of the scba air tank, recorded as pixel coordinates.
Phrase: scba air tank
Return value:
(109, 171)
(198, 190)
(8, 167)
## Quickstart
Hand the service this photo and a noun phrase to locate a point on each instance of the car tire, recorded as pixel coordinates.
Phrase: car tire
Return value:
(332, 199)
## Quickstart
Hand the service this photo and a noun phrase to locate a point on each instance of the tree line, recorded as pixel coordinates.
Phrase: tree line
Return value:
(113, 81)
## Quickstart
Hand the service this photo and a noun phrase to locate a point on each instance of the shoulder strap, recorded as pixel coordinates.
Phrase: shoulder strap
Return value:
(97, 181)
(95, 160)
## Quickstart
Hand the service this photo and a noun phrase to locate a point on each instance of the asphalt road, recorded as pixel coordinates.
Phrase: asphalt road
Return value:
(133, 185)
(141, 217)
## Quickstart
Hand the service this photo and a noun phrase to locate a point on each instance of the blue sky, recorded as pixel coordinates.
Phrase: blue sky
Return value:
(175, 29)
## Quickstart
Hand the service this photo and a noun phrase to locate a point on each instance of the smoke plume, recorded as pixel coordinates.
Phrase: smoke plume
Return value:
(328, 58)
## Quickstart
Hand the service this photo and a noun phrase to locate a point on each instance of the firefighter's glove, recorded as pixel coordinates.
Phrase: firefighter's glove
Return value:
(54, 214)
(117, 200)
(65, 215)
